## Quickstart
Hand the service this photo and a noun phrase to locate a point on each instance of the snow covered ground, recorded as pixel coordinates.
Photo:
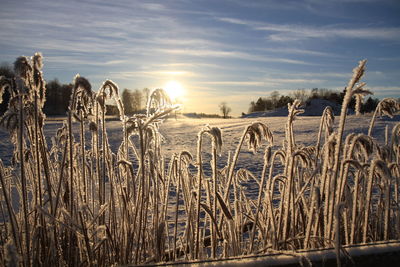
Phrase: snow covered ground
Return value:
(181, 134)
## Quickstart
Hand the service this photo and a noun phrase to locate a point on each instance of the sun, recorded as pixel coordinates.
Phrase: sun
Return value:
(174, 89)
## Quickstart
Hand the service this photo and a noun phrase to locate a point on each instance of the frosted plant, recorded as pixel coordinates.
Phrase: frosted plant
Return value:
(328, 119)
(82, 95)
(377, 168)
(353, 87)
(158, 99)
(23, 69)
(113, 93)
(254, 134)
(359, 94)
(395, 143)
(6, 84)
(11, 254)
(294, 110)
(9, 121)
(216, 137)
(267, 157)
(88, 205)
(388, 107)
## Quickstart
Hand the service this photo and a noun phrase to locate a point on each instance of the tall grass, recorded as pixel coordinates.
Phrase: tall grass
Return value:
(75, 202)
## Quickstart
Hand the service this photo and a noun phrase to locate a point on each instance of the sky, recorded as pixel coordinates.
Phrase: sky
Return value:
(232, 51)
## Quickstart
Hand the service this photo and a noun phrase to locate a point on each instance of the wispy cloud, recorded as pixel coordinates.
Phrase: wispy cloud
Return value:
(156, 73)
(232, 54)
(237, 83)
(299, 32)
(385, 91)
(267, 82)
(296, 32)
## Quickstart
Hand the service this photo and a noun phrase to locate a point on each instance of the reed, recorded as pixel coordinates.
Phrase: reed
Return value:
(76, 202)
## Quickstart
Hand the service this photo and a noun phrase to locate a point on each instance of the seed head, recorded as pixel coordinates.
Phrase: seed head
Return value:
(22, 68)
(83, 83)
(37, 60)
(255, 133)
(216, 135)
(329, 119)
(388, 106)
(5, 84)
(158, 100)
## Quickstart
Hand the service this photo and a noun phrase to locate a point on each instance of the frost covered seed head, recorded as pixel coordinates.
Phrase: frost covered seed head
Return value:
(359, 71)
(22, 67)
(4, 84)
(83, 83)
(329, 119)
(158, 100)
(255, 133)
(82, 95)
(294, 109)
(37, 60)
(186, 157)
(113, 92)
(388, 107)
(216, 134)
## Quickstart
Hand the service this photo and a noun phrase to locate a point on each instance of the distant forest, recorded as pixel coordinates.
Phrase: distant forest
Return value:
(58, 95)
(275, 100)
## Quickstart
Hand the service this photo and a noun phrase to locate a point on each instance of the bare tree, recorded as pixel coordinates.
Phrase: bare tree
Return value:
(127, 101)
(145, 95)
(301, 95)
(274, 99)
(223, 107)
(137, 100)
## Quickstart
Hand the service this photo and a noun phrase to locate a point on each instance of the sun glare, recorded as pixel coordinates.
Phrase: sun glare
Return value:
(174, 89)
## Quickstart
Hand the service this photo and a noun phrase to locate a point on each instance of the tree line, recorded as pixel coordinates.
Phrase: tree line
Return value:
(58, 95)
(276, 100)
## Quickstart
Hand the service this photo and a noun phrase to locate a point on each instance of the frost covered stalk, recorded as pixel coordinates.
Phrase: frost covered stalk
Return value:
(267, 156)
(327, 120)
(216, 138)
(23, 69)
(351, 89)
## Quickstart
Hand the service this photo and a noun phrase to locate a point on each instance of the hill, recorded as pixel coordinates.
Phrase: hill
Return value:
(313, 107)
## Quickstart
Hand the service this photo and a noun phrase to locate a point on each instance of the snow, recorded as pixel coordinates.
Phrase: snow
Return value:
(181, 134)
(313, 107)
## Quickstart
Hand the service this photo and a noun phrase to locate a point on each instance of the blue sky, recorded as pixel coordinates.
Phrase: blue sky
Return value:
(219, 50)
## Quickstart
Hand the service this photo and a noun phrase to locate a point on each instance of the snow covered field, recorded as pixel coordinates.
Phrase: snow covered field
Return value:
(181, 134)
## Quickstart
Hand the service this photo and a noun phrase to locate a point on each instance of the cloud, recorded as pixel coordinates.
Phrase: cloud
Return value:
(232, 54)
(385, 91)
(296, 32)
(153, 6)
(267, 82)
(299, 32)
(236, 83)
